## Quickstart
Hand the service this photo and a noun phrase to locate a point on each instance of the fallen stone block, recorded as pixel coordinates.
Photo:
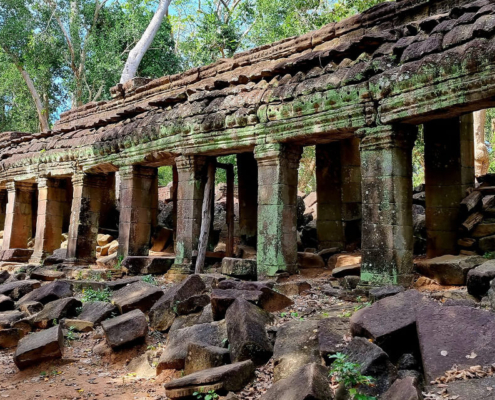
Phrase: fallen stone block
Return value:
(126, 328)
(78, 325)
(309, 260)
(120, 283)
(471, 389)
(162, 314)
(377, 294)
(308, 382)
(6, 303)
(193, 304)
(47, 293)
(232, 377)
(374, 362)
(296, 345)
(25, 325)
(103, 239)
(184, 321)
(247, 334)
(137, 296)
(4, 275)
(10, 337)
(222, 299)
(16, 289)
(17, 255)
(58, 257)
(403, 389)
(239, 268)
(148, 265)
(56, 310)
(97, 311)
(175, 353)
(272, 301)
(331, 332)
(30, 307)
(292, 288)
(448, 269)
(202, 356)
(390, 322)
(45, 274)
(348, 270)
(107, 261)
(463, 336)
(7, 318)
(479, 278)
(41, 346)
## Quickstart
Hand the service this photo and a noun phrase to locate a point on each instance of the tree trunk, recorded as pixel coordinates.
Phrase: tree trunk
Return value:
(42, 113)
(137, 53)
(481, 156)
(206, 218)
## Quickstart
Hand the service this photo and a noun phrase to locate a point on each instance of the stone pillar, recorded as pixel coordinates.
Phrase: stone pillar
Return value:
(192, 175)
(277, 208)
(449, 171)
(329, 226)
(387, 237)
(85, 217)
(49, 227)
(138, 209)
(247, 178)
(3, 208)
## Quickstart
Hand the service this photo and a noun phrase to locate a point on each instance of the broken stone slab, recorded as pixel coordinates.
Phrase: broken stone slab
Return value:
(6, 303)
(30, 307)
(348, 270)
(175, 353)
(308, 382)
(184, 321)
(374, 362)
(4, 275)
(296, 345)
(307, 260)
(463, 336)
(212, 280)
(41, 346)
(483, 229)
(16, 255)
(193, 304)
(107, 261)
(239, 268)
(97, 311)
(479, 278)
(58, 257)
(126, 328)
(16, 289)
(448, 269)
(471, 389)
(47, 293)
(56, 310)
(10, 337)
(273, 301)
(7, 318)
(403, 389)
(292, 288)
(120, 283)
(391, 322)
(331, 332)
(162, 314)
(78, 325)
(247, 334)
(377, 294)
(103, 239)
(202, 356)
(232, 377)
(221, 300)
(486, 244)
(138, 265)
(45, 274)
(137, 296)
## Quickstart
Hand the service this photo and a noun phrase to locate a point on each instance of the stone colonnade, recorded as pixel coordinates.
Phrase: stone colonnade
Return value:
(364, 186)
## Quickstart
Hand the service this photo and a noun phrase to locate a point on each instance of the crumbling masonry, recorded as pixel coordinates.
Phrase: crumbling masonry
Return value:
(357, 89)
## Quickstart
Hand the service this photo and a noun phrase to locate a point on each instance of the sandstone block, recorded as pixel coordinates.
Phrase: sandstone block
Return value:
(97, 311)
(16, 289)
(125, 328)
(10, 337)
(41, 346)
(55, 311)
(139, 295)
(239, 268)
(47, 293)
(307, 260)
(203, 356)
(403, 389)
(448, 269)
(6, 303)
(479, 278)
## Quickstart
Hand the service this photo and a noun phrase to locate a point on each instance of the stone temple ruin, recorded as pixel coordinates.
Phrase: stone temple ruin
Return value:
(359, 91)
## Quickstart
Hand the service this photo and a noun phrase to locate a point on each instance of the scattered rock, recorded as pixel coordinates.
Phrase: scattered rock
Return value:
(6, 303)
(403, 389)
(448, 269)
(58, 257)
(16, 289)
(221, 300)
(307, 260)
(136, 296)
(107, 261)
(347, 270)
(125, 328)
(55, 311)
(30, 307)
(350, 282)
(79, 325)
(4, 275)
(202, 356)
(7, 318)
(97, 311)
(247, 334)
(103, 239)
(331, 332)
(120, 283)
(231, 377)
(292, 288)
(478, 279)
(239, 268)
(471, 389)
(272, 301)
(45, 274)
(41, 346)
(48, 293)
(138, 265)
(193, 304)
(386, 291)
(185, 321)
(308, 382)
(10, 337)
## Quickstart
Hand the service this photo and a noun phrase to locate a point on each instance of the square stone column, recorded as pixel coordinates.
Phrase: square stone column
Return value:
(387, 236)
(247, 178)
(89, 191)
(277, 208)
(19, 217)
(449, 171)
(3, 208)
(49, 227)
(138, 209)
(191, 181)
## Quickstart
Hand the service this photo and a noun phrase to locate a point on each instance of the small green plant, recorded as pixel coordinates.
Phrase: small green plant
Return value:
(489, 255)
(149, 279)
(95, 276)
(43, 373)
(70, 336)
(78, 310)
(120, 260)
(283, 315)
(348, 375)
(175, 307)
(210, 395)
(55, 322)
(91, 295)
(79, 276)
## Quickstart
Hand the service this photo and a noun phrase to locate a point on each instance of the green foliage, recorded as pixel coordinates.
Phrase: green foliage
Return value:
(210, 395)
(419, 159)
(165, 175)
(70, 336)
(489, 255)
(348, 374)
(149, 279)
(91, 295)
